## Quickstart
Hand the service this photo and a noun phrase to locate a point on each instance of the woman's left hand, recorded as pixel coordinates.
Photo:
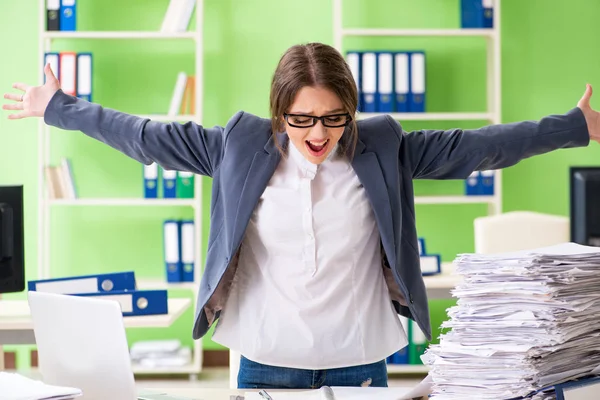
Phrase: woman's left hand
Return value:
(592, 118)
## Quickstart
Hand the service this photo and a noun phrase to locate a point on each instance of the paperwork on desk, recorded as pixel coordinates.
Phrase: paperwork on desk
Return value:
(17, 387)
(348, 393)
(523, 322)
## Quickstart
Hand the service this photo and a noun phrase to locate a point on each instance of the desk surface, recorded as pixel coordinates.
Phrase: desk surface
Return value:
(225, 394)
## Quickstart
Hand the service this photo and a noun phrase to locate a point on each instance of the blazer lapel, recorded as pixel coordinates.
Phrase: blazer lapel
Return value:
(260, 172)
(367, 168)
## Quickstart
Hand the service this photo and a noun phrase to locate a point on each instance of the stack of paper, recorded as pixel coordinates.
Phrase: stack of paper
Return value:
(17, 387)
(523, 322)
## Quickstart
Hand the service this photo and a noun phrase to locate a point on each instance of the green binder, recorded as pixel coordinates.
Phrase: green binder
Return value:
(417, 343)
(185, 185)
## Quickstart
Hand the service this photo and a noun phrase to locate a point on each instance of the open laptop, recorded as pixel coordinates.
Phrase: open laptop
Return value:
(82, 343)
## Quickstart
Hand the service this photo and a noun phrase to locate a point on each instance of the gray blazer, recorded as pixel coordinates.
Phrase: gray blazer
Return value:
(241, 157)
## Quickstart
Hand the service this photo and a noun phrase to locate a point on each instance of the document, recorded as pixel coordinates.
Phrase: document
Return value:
(17, 387)
(524, 322)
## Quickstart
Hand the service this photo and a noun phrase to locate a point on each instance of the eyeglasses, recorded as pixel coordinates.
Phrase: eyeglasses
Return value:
(306, 121)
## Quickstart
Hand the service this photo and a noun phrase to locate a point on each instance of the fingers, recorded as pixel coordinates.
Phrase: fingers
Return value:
(13, 96)
(49, 74)
(21, 86)
(584, 102)
(13, 106)
(19, 115)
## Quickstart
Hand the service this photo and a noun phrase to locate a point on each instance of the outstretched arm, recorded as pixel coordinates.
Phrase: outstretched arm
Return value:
(174, 146)
(455, 154)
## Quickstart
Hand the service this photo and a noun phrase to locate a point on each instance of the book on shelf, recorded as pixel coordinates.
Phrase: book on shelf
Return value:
(178, 16)
(74, 72)
(179, 254)
(59, 180)
(184, 94)
(61, 15)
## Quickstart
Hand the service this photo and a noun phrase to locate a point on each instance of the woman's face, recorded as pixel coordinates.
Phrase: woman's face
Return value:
(317, 141)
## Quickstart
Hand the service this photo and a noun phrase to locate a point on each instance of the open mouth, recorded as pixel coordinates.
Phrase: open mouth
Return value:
(317, 149)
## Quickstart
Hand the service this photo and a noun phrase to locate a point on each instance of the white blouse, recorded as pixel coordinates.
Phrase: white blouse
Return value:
(309, 290)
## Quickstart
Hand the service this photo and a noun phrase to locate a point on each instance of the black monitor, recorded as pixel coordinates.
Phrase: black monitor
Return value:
(584, 185)
(12, 254)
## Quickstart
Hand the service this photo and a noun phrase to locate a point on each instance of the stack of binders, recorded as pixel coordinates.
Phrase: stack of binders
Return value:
(480, 183)
(179, 250)
(477, 14)
(389, 81)
(74, 71)
(175, 184)
(118, 286)
(61, 15)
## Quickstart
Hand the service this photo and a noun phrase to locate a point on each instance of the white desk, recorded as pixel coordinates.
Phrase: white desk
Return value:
(225, 394)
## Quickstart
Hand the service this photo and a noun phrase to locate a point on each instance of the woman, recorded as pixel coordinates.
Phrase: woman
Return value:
(312, 248)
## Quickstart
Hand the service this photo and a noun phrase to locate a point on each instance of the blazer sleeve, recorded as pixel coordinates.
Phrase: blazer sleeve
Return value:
(174, 146)
(456, 153)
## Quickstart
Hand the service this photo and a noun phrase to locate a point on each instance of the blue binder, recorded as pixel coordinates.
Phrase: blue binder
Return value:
(369, 82)
(401, 80)
(187, 240)
(488, 13)
(422, 250)
(471, 13)
(564, 391)
(486, 183)
(99, 283)
(84, 76)
(68, 15)
(401, 356)
(52, 58)
(150, 181)
(353, 58)
(385, 82)
(172, 250)
(472, 184)
(169, 179)
(431, 264)
(139, 302)
(417, 82)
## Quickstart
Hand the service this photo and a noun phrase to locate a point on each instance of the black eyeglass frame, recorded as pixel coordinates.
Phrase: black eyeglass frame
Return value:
(315, 119)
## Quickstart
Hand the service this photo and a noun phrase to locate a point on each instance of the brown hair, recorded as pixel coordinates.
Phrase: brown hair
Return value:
(313, 64)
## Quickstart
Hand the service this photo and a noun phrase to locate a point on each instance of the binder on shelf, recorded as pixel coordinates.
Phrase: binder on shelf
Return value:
(169, 179)
(369, 82)
(401, 80)
(137, 302)
(477, 14)
(52, 58)
(178, 15)
(417, 343)
(68, 72)
(385, 82)
(84, 76)
(431, 264)
(422, 249)
(185, 185)
(417, 82)
(150, 181)
(99, 283)
(172, 250)
(585, 388)
(472, 184)
(187, 251)
(486, 183)
(353, 59)
(52, 15)
(68, 15)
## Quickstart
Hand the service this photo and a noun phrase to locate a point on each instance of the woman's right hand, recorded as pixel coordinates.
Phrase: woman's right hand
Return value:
(35, 99)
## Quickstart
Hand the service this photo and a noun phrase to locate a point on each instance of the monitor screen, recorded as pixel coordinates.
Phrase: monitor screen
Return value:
(585, 205)
(12, 255)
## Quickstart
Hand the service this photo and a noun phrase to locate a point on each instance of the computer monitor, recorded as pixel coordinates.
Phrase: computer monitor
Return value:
(12, 254)
(584, 185)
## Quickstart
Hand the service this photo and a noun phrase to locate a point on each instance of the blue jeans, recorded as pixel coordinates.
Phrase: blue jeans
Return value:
(253, 375)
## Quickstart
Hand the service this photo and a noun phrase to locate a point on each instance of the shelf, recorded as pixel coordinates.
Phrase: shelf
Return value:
(124, 202)
(454, 199)
(169, 118)
(15, 315)
(418, 32)
(427, 116)
(118, 35)
(407, 369)
(184, 369)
